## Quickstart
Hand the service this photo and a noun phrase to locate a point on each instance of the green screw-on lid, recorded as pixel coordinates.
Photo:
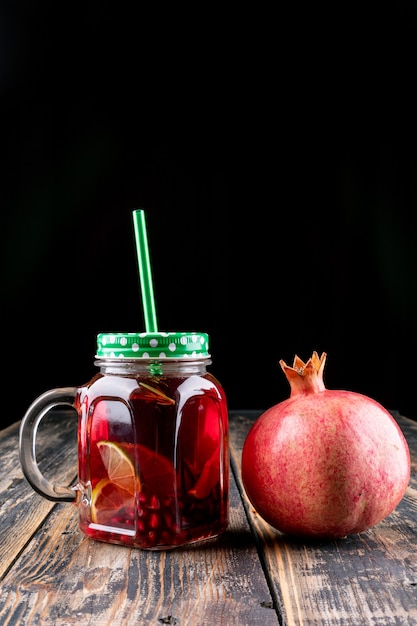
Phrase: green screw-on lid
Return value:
(157, 345)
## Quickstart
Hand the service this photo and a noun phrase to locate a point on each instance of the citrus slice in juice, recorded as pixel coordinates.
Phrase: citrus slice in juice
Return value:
(108, 500)
(157, 473)
(119, 466)
(209, 477)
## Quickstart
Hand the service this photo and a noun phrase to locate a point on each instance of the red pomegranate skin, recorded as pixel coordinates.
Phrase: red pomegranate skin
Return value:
(325, 464)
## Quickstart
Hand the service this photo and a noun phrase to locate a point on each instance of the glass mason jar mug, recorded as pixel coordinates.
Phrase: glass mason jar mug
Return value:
(153, 455)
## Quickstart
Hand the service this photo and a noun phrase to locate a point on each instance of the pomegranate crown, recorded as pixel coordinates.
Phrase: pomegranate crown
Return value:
(305, 377)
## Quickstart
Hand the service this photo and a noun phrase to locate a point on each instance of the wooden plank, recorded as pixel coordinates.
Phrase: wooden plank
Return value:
(370, 578)
(21, 509)
(62, 577)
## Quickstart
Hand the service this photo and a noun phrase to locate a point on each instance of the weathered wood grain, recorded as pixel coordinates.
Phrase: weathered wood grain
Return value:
(370, 578)
(21, 510)
(65, 578)
(58, 577)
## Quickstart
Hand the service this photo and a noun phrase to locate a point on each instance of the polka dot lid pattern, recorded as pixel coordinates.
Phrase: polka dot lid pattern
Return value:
(156, 345)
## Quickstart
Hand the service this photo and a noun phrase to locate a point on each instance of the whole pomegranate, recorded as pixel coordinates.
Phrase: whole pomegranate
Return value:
(324, 464)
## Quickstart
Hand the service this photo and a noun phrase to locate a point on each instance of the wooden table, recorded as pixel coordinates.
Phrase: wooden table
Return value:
(51, 574)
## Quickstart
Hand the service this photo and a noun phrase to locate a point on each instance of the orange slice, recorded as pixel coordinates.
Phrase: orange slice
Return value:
(108, 498)
(209, 477)
(157, 473)
(119, 466)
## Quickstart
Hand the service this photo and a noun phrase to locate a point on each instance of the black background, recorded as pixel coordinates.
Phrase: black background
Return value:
(275, 157)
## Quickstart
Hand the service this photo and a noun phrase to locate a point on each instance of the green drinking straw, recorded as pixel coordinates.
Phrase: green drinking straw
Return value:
(145, 274)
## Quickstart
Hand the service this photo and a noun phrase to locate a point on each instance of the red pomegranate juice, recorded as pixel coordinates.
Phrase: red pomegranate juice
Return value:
(167, 441)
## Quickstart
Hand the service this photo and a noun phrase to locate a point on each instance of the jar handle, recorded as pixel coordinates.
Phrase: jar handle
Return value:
(64, 396)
